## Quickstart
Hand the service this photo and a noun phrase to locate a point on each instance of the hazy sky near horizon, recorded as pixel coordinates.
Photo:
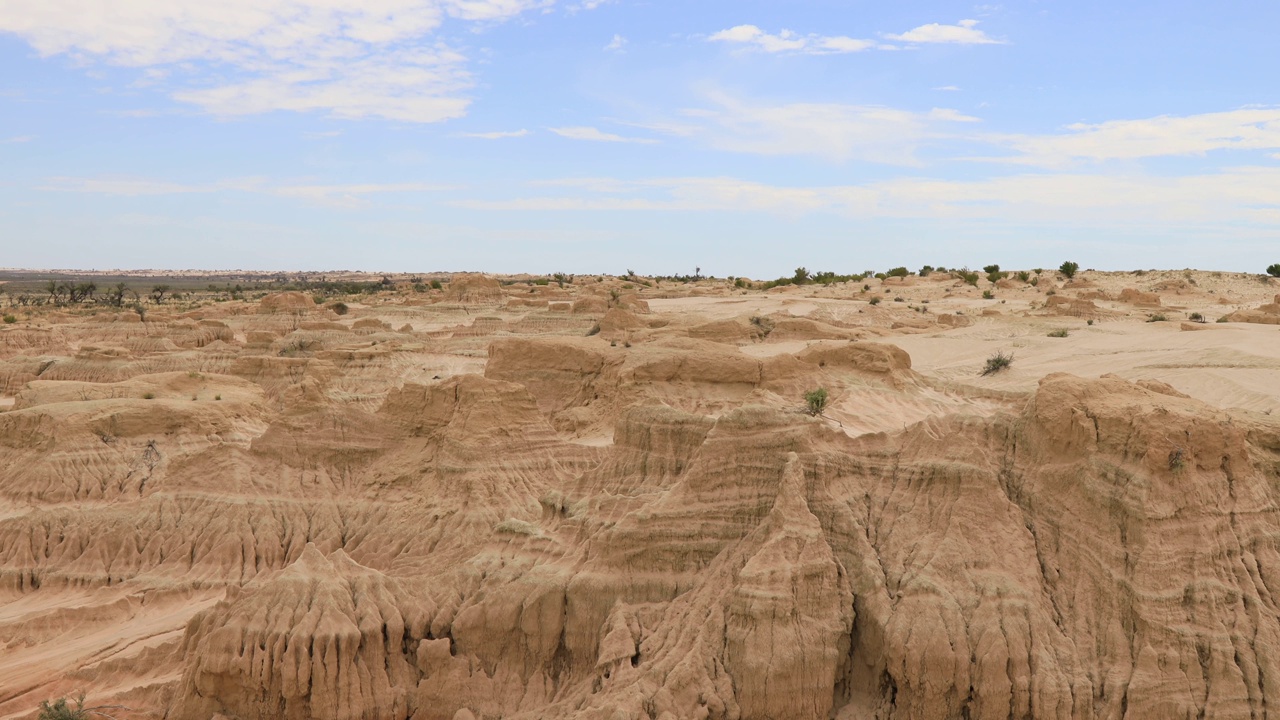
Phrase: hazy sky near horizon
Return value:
(742, 137)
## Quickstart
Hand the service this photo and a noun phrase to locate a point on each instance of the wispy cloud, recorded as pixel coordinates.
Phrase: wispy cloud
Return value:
(788, 41)
(616, 44)
(18, 139)
(596, 135)
(380, 58)
(495, 135)
(335, 195)
(1249, 194)
(948, 88)
(831, 131)
(964, 32)
(1243, 129)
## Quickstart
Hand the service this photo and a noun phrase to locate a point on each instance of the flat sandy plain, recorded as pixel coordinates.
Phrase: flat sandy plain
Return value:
(506, 499)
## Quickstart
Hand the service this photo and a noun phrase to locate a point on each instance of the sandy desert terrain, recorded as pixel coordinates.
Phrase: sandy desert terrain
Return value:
(506, 499)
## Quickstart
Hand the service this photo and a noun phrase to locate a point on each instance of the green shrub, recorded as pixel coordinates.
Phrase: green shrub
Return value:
(970, 278)
(9, 319)
(340, 308)
(148, 396)
(996, 363)
(988, 295)
(1274, 270)
(1158, 317)
(874, 300)
(1069, 269)
(61, 710)
(898, 272)
(435, 285)
(1024, 276)
(924, 271)
(816, 401)
(1060, 332)
(1196, 317)
(1089, 321)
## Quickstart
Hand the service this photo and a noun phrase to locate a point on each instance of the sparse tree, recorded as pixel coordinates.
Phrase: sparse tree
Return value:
(1274, 270)
(81, 292)
(801, 277)
(159, 291)
(115, 296)
(1069, 269)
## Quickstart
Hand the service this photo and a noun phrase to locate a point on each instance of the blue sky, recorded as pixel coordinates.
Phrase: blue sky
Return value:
(745, 138)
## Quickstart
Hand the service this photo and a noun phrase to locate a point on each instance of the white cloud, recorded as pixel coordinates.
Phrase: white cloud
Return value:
(590, 133)
(373, 58)
(788, 41)
(963, 33)
(338, 195)
(948, 88)
(1244, 129)
(827, 130)
(1248, 194)
(18, 139)
(495, 135)
(616, 44)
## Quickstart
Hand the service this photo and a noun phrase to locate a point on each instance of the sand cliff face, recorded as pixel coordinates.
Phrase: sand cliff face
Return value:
(358, 522)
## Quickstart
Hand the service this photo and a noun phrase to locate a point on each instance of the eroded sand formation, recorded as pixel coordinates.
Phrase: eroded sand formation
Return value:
(605, 501)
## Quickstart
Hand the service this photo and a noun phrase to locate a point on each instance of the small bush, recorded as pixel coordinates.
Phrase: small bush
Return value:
(1196, 317)
(1274, 270)
(595, 330)
(61, 710)
(1089, 321)
(874, 301)
(899, 299)
(1060, 332)
(764, 324)
(898, 272)
(9, 319)
(1222, 319)
(816, 401)
(435, 285)
(1158, 317)
(924, 271)
(1069, 269)
(988, 295)
(217, 397)
(996, 363)
(1024, 276)
(149, 396)
(340, 308)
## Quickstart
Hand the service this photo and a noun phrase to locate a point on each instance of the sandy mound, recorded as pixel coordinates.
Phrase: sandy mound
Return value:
(474, 289)
(286, 302)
